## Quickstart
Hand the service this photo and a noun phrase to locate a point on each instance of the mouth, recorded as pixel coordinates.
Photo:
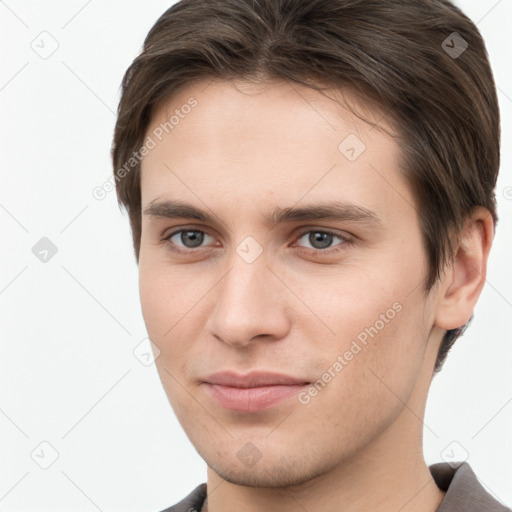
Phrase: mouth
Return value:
(254, 392)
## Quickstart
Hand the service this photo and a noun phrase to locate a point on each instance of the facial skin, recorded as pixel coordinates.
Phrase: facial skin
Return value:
(241, 152)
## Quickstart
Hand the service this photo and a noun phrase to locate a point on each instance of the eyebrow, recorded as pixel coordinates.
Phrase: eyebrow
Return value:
(330, 210)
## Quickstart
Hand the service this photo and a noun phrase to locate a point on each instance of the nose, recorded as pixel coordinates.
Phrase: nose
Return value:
(250, 303)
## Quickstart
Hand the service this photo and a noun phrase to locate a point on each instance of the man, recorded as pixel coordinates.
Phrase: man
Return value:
(312, 211)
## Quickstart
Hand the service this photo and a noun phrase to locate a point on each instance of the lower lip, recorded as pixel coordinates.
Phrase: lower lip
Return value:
(252, 399)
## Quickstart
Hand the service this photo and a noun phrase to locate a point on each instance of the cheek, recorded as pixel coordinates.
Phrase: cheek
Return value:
(372, 335)
(368, 378)
(164, 292)
(165, 304)
(172, 300)
(154, 299)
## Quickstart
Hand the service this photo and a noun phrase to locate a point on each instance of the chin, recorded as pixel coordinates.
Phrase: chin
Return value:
(263, 477)
(276, 472)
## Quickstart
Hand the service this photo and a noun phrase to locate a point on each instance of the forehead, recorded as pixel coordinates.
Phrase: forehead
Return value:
(271, 143)
(238, 100)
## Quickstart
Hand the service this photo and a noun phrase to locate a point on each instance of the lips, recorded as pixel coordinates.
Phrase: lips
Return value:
(253, 379)
(253, 392)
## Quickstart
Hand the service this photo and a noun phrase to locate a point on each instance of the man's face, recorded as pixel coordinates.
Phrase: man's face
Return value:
(335, 302)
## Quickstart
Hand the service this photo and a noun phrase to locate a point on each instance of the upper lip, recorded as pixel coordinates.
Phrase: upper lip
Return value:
(252, 380)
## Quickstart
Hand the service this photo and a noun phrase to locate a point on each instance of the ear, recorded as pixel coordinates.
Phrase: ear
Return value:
(464, 279)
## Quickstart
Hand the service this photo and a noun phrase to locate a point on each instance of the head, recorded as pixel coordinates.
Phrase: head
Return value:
(249, 125)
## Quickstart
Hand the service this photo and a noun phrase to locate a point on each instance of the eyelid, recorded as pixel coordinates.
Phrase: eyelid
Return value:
(308, 229)
(299, 232)
(167, 233)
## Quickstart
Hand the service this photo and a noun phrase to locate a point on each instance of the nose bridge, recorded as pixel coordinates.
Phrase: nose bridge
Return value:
(247, 302)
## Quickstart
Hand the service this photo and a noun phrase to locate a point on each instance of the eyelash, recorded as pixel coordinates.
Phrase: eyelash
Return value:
(314, 252)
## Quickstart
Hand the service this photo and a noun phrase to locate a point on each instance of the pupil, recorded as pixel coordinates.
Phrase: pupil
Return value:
(194, 237)
(321, 239)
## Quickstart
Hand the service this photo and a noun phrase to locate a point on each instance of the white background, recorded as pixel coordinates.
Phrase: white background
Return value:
(68, 373)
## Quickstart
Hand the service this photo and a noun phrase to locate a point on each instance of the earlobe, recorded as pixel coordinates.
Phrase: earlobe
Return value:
(464, 279)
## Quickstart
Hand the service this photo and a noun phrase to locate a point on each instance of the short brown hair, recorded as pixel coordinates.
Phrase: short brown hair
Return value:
(423, 61)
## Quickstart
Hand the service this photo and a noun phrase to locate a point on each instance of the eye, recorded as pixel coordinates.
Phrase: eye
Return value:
(187, 238)
(321, 239)
(317, 240)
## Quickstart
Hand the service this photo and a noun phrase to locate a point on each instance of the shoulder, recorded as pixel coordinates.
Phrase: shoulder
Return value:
(464, 492)
(191, 503)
